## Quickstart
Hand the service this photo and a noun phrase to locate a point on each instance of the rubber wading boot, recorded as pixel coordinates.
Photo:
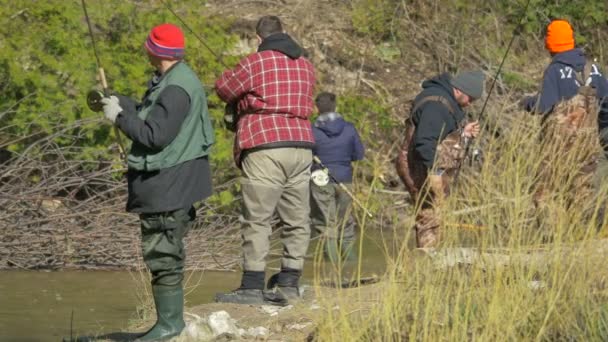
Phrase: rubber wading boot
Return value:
(285, 284)
(169, 301)
(332, 251)
(349, 250)
(251, 297)
(251, 292)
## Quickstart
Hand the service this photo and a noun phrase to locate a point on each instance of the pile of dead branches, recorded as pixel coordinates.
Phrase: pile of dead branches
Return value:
(58, 210)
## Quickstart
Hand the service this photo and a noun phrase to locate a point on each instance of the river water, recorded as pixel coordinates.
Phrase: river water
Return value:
(38, 305)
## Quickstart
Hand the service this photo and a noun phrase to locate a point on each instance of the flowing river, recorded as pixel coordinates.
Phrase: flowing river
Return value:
(39, 305)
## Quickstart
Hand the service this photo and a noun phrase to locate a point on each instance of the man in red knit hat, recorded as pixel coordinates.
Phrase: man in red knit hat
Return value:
(168, 168)
(273, 93)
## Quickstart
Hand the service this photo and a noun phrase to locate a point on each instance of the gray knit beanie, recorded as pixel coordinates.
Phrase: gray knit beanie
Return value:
(470, 83)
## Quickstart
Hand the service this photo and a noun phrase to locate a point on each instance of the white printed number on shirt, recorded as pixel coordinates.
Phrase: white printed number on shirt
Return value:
(595, 70)
(568, 71)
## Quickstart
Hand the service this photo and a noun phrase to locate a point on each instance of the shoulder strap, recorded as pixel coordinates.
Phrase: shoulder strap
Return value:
(436, 98)
(585, 73)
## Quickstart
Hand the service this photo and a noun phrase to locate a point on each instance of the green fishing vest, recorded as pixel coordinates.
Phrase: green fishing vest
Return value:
(195, 136)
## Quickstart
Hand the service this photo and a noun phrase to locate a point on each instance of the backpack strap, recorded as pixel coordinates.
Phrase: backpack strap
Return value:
(436, 98)
(583, 76)
(585, 89)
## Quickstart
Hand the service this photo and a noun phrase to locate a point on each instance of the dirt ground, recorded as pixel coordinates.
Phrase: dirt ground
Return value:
(295, 322)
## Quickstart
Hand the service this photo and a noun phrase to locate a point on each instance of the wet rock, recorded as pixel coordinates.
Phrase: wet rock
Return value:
(298, 326)
(315, 306)
(198, 331)
(221, 323)
(274, 310)
(254, 332)
(218, 324)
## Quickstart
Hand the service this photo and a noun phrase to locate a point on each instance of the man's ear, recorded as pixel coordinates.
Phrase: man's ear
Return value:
(457, 92)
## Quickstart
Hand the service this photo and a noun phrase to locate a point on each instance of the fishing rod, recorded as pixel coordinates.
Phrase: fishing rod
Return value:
(216, 55)
(341, 185)
(94, 97)
(516, 33)
(230, 110)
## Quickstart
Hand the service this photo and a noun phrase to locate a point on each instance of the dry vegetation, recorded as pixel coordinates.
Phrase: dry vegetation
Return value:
(72, 215)
(511, 268)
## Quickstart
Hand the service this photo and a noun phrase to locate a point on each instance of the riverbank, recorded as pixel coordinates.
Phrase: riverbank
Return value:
(41, 303)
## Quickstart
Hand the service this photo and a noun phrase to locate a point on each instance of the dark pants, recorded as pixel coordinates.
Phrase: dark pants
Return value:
(162, 236)
(331, 213)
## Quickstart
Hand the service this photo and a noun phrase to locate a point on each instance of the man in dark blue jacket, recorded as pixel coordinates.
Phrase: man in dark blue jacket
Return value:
(337, 144)
(560, 81)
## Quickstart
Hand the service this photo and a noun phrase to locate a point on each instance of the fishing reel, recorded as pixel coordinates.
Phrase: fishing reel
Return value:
(476, 158)
(94, 100)
(320, 177)
(477, 155)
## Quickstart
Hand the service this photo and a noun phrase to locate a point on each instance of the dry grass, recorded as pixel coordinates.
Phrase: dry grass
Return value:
(533, 272)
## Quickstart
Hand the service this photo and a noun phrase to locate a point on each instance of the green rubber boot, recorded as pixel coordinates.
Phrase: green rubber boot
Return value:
(332, 250)
(349, 250)
(169, 302)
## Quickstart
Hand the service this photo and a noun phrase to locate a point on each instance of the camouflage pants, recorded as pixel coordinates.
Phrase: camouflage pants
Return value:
(428, 217)
(579, 152)
(600, 180)
(162, 242)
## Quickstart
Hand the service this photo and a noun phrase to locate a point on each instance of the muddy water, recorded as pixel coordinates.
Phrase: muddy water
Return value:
(38, 306)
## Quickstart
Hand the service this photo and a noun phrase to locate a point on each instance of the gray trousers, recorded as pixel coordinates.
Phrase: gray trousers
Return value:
(331, 212)
(276, 180)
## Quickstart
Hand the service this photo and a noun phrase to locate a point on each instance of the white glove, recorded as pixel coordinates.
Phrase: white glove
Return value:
(111, 107)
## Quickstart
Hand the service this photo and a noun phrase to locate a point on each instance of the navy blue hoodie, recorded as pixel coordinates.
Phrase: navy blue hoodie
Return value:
(337, 144)
(433, 119)
(559, 81)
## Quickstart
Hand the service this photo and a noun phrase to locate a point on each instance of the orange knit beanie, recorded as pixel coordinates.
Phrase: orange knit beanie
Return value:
(560, 36)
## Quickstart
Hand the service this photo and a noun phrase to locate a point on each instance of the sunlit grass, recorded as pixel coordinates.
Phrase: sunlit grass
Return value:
(531, 267)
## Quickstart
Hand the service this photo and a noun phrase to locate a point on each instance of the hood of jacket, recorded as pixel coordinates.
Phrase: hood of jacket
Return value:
(440, 85)
(282, 43)
(574, 58)
(331, 124)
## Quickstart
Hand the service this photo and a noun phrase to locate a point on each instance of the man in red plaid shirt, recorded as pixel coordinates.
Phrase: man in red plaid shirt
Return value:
(272, 91)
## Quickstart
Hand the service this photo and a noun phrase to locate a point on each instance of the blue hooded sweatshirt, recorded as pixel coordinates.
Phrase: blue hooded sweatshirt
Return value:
(337, 144)
(559, 81)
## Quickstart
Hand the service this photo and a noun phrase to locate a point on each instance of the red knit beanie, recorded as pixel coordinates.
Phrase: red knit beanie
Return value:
(166, 41)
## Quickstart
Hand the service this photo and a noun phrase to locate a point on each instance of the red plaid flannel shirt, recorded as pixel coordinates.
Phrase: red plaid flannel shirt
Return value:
(275, 96)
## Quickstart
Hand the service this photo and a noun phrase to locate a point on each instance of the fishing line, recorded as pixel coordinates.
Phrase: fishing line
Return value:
(94, 97)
